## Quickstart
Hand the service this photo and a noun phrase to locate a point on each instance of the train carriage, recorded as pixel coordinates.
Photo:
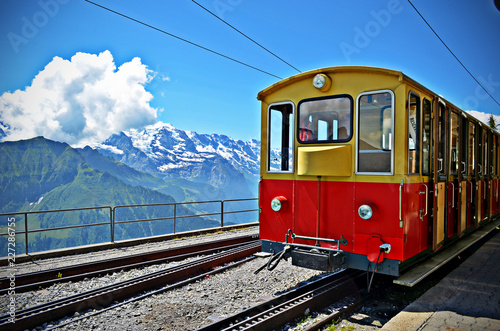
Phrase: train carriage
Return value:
(365, 168)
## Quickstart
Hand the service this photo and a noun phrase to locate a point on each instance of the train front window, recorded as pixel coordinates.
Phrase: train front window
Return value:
(280, 138)
(325, 119)
(375, 133)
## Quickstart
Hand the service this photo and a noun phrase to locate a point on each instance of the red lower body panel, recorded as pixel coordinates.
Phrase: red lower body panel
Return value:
(328, 209)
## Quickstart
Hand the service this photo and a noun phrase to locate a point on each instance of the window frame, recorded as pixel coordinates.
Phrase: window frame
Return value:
(391, 173)
(454, 161)
(471, 148)
(464, 148)
(426, 102)
(494, 156)
(418, 132)
(351, 124)
(442, 113)
(291, 125)
(486, 154)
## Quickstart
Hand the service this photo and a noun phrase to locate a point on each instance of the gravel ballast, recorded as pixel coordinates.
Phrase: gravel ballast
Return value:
(184, 308)
(196, 304)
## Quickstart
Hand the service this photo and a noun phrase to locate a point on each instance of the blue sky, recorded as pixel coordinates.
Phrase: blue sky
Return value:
(159, 78)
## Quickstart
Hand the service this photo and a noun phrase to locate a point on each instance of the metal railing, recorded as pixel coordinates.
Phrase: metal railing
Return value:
(112, 222)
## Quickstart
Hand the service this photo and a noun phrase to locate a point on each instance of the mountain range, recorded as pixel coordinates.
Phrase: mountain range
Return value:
(230, 167)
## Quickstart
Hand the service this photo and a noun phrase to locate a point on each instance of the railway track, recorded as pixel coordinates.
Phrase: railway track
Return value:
(289, 306)
(40, 279)
(155, 282)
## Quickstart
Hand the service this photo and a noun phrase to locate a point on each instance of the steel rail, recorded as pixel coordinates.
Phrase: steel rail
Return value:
(155, 292)
(345, 311)
(34, 280)
(104, 296)
(289, 306)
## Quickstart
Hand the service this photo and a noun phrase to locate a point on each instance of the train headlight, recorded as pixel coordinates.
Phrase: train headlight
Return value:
(365, 212)
(278, 203)
(322, 82)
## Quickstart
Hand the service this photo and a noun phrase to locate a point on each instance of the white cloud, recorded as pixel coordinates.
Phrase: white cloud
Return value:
(81, 101)
(483, 117)
(112, 149)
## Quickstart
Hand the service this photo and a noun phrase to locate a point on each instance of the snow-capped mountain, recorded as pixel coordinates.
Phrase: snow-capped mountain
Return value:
(169, 153)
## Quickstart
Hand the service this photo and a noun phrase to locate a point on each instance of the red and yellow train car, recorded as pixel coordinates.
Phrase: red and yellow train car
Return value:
(365, 168)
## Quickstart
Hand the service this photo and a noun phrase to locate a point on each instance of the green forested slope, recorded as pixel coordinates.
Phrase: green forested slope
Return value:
(39, 175)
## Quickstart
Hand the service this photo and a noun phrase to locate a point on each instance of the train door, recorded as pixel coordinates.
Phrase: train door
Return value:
(374, 165)
(277, 170)
(479, 176)
(440, 174)
(493, 172)
(471, 174)
(496, 154)
(426, 190)
(489, 174)
(485, 174)
(454, 157)
(496, 172)
(463, 178)
(417, 191)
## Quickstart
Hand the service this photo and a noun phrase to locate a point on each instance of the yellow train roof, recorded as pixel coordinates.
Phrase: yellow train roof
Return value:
(290, 80)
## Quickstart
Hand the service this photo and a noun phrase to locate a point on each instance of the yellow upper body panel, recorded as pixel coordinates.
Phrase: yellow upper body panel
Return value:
(311, 159)
(323, 161)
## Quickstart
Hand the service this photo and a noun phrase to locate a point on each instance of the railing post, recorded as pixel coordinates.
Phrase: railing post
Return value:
(175, 215)
(26, 232)
(222, 213)
(112, 213)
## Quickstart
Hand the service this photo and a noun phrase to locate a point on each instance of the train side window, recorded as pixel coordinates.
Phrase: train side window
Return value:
(375, 143)
(426, 137)
(413, 133)
(441, 152)
(280, 138)
(479, 156)
(464, 136)
(325, 119)
(494, 156)
(485, 153)
(454, 146)
(472, 149)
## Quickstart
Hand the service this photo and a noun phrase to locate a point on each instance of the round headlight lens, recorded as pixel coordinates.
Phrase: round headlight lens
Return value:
(322, 82)
(279, 203)
(365, 212)
(319, 81)
(276, 204)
